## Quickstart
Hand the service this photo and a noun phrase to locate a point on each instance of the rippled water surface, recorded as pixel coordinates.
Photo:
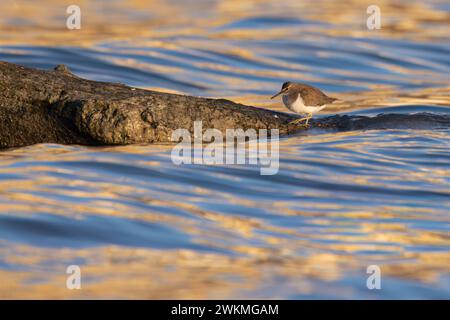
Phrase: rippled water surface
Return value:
(141, 227)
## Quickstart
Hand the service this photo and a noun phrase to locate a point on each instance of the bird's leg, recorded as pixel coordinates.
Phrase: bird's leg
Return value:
(307, 118)
(299, 120)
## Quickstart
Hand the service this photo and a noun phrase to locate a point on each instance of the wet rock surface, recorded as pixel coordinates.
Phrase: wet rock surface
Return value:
(56, 106)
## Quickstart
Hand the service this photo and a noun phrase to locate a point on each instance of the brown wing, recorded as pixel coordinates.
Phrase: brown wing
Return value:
(314, 97)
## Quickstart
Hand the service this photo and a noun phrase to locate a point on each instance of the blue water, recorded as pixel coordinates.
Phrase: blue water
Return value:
(140, 226)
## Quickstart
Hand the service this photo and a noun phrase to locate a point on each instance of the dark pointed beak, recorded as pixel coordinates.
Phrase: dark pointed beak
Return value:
(282, 91)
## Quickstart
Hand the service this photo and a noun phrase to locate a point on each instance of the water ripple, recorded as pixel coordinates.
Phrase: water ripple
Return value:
(340, 202)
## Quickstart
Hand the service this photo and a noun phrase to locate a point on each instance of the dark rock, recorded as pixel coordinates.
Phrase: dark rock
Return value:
(58, 107)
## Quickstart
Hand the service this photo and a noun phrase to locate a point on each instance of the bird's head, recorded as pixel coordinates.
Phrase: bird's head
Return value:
(284, 89)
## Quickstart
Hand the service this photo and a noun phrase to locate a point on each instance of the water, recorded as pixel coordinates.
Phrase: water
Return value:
(141, 227)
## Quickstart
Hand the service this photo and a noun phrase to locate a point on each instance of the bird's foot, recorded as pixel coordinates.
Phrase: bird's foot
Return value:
(296, 121)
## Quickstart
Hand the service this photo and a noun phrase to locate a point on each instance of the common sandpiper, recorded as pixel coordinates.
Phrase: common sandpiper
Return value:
(303, 99)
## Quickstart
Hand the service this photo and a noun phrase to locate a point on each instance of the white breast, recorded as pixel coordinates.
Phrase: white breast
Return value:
(299, 106)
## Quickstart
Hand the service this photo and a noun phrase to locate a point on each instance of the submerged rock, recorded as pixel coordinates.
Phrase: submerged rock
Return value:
(56, 106)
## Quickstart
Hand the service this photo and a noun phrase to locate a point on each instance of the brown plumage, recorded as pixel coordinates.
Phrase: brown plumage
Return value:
(311, 96)
(303, 99)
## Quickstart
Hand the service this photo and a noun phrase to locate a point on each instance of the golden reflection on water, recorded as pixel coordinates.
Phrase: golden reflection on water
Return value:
(327, 253)
(146, 26)
(338, 241)
(45, 23)
(117, 272)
